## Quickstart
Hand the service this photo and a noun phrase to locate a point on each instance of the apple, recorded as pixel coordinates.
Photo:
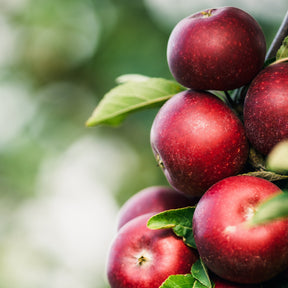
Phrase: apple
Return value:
(221, 283)
(153, 199)
(227, 243)
(144, 258)
(216, 49)
(197, 140)
(266, 108)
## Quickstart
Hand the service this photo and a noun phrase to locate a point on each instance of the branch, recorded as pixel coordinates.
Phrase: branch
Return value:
(277, 41)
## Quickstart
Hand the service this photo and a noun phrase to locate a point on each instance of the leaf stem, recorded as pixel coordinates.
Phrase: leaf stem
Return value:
(278, 39)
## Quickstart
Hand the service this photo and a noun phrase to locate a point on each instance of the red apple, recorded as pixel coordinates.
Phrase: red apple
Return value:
(266, 108)
(221, 283)
(153, 199)
(216, 49)
(228, 245)
(197, 140)
(144, 258)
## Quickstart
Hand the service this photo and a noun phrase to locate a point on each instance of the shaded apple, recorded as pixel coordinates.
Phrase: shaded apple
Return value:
(228, 245)
(153, 199)
(144, 258)
(197, 140)
(221, 283)
(266, 108)
(216, 49)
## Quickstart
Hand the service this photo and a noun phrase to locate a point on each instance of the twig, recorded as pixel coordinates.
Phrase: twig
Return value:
(278, 39)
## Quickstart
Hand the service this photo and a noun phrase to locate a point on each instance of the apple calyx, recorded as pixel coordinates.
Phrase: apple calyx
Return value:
(141, 260)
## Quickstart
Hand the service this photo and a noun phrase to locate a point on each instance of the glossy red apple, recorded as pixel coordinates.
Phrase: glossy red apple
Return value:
(266, 108)
(197, 140)
(228, 245)
(216, 49)
(144, 258)
(153, 199)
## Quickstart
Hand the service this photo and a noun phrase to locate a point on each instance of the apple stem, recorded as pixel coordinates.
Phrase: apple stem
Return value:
(278, 39)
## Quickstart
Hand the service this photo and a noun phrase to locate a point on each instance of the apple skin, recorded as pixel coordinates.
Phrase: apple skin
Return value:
(227, 244)
(197, 140)
(144, 258)
(266, 108)
(153, 199)
(221, 283)
(216, 49)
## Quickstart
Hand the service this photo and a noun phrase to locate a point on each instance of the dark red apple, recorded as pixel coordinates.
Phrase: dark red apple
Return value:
(197, 140)
(153, 199)
(266, 108)
(216, 49)
(221, 283)
(144, 258)
(228, 245)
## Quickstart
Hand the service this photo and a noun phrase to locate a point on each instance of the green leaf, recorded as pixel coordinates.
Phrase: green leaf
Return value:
(200, 273)
(283, 50)
(178, 281)
(277, 160)
(134, 93)
(180, 220)
(198, 284)
(272, 209)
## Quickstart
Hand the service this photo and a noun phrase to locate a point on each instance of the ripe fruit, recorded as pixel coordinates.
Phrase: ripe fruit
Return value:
(231, 248)
(216, 49)
(152, 199)
(197, 140)
(266, 108)
(221, 283)
(144, 258)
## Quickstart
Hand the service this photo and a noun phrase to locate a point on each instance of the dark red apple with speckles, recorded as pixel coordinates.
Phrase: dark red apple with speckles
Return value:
(153, 199)
(198, 140)
(216, 49)
(227, 244)
(144, 258)
(266, 108)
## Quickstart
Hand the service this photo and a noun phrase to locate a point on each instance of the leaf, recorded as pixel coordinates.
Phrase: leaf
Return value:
(178, 281)
(180, 220)
(137, 92)
(277, 159)
(198, 284)
(131, 78)
(272, 209)
(283, 50)
(268, 175)
(200, 273)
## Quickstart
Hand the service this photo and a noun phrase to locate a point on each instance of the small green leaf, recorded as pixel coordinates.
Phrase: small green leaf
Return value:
(134, 93)
(272, 209)
(277, 160)
(283, 50)
(198, 284)
(180, 220)
(178, 281)
(200, 273)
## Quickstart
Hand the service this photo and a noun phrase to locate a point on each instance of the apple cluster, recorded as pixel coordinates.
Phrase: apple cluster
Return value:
(202, 144)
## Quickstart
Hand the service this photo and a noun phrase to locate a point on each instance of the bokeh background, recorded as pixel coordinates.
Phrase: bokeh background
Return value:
(61, 184)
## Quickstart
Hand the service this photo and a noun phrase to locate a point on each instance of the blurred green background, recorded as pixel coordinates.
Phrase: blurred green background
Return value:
(61, 184)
